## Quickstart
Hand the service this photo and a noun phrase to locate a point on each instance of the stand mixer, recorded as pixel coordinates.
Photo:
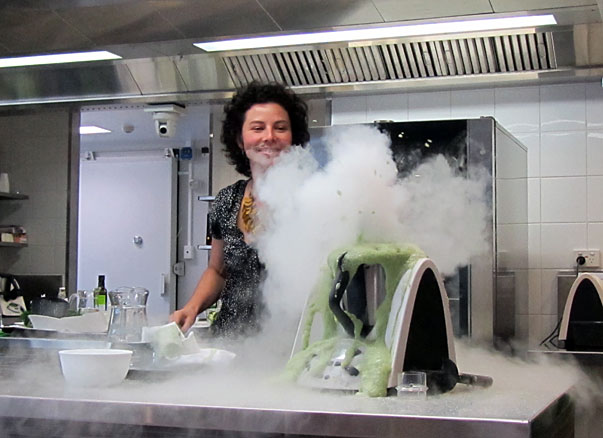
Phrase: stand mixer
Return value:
(383, 310)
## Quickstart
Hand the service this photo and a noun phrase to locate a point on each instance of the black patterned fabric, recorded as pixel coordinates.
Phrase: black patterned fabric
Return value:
(243, 271)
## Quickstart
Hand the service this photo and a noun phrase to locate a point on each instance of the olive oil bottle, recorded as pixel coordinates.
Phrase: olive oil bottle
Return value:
(100, 294)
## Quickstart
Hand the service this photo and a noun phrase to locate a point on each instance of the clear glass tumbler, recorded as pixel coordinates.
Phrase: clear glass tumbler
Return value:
(412, 384)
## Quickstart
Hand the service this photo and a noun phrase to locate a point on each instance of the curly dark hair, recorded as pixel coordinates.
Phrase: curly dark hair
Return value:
(257, 92)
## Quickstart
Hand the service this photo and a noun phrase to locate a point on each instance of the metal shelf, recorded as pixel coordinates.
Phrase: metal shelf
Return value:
(12, 196)
(7, 196)
(13, 244)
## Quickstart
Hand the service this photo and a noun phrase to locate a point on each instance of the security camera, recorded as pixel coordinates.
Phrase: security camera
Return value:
(163, 128)
(165, 124)
(165, 118)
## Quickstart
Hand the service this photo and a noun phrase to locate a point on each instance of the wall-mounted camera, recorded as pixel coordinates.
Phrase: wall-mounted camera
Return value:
(165, 123)
(166, 118)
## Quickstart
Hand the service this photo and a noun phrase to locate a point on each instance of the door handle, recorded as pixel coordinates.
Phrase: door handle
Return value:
(162, 288)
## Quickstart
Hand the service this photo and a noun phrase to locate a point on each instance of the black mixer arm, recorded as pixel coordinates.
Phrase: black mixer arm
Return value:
(444, 379)
(339, 286)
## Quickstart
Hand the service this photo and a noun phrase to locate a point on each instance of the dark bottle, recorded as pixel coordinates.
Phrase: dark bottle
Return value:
(100, 294)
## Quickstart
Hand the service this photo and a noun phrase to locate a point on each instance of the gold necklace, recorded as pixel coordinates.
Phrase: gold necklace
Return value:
(248, 213)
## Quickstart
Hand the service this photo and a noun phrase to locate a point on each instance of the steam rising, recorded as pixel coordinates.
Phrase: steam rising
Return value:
(310, 211)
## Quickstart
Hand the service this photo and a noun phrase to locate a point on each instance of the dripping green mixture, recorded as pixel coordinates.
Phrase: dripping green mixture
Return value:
(375, 365)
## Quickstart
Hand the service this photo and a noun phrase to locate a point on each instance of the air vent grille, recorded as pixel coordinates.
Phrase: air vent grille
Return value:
(396, 61)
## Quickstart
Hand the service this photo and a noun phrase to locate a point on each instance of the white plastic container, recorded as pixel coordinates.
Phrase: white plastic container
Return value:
(95, 367)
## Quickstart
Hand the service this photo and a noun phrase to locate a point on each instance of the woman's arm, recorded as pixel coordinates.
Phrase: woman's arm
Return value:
(208, 289)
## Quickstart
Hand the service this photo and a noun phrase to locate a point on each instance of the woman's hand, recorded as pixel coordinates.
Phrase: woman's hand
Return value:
(207, 291)
(185, 318)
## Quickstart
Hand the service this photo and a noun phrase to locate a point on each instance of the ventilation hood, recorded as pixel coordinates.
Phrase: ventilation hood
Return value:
(553, 53)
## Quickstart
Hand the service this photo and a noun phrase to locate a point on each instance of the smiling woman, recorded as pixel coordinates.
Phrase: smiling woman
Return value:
(266, 133)
(236, 114)
(261, 121)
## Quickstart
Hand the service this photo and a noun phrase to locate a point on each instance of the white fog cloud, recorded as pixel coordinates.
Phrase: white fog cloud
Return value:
(310, 211)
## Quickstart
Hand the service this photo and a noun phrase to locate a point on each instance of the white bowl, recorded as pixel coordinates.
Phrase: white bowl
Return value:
(95, 367)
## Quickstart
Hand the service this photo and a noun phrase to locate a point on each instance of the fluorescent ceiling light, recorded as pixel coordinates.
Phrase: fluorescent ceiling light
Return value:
(57, 58)
(93, 130)
(379, 33)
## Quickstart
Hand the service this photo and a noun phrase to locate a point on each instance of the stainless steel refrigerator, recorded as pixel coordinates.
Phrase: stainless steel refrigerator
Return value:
(484, 293)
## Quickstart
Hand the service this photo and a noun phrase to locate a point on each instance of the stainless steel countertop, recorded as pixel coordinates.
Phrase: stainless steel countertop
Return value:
(283, 421)
(244, 400)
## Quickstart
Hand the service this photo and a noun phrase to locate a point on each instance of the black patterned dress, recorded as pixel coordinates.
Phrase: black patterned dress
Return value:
(243, 271)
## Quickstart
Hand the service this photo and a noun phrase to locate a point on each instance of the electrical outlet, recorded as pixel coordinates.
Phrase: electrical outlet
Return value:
(188, 252)
(592, 257)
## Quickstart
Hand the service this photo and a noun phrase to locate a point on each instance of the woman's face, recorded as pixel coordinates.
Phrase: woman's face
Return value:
(266, 133)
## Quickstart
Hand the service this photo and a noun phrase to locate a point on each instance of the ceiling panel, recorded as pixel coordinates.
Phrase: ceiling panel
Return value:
(571, 16)
(25, 31)
(121, 24)
(64, 4)
(146, 28)
(150, 29)
(401, 10)
(528, 5)
(211, 18)
(315, 14)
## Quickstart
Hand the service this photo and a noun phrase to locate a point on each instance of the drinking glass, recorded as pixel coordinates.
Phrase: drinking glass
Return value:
(412, 384)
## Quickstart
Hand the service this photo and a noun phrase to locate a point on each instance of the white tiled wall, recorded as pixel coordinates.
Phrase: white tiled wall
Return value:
(562, 127)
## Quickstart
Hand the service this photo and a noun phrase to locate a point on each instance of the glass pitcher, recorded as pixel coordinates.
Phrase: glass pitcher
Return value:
(128, 313)
(82, 302)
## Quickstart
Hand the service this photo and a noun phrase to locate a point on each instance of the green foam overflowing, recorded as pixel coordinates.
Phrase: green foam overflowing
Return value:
(375, 364)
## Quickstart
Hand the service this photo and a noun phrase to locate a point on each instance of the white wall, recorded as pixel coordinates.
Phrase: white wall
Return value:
(562, 127)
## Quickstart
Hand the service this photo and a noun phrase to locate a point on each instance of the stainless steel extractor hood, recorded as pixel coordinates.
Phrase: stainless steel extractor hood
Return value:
(398, 60)
(463, 60)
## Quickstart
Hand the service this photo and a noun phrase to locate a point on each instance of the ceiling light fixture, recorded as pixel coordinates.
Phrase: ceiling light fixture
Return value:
(379, 33)
(57, 58)
(91, 129)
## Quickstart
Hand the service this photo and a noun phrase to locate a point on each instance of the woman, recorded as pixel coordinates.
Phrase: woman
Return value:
(260, 122)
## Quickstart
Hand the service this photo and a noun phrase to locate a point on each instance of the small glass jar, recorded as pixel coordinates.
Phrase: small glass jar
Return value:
(412, 385)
